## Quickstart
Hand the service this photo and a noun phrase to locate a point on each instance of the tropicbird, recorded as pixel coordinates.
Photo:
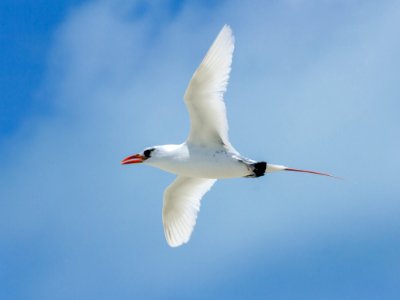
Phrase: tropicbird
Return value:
(207, 154)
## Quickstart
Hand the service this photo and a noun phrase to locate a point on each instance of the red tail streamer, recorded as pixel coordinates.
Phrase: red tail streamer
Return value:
(311, 172)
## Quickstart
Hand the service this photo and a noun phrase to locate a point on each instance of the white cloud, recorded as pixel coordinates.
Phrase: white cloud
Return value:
(117, 78)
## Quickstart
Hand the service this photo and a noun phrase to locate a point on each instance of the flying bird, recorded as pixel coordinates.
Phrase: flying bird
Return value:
(207, 154)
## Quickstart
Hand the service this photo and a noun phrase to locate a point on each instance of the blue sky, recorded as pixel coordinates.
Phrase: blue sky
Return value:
(314, 85)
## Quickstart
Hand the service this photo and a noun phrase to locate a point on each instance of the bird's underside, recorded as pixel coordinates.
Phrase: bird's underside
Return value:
(205, 162)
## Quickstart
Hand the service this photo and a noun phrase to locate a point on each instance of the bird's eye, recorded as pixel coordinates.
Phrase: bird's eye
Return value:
(147, 152)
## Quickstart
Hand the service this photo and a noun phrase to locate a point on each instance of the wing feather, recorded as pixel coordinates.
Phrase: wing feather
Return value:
(204, 95)
(181, 205)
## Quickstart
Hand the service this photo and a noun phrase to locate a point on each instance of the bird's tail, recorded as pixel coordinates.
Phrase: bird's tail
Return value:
(258, 169)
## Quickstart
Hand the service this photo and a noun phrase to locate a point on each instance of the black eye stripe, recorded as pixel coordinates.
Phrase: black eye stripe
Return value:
(147, 152)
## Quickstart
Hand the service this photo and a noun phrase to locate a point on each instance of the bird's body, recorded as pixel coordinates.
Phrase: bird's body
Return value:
(207, 154)
(203, 162)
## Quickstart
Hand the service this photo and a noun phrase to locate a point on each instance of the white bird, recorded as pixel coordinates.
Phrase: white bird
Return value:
(207, 154)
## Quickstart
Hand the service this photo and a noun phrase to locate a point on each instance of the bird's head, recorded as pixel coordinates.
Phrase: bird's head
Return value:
(151, 155)
(146, 154)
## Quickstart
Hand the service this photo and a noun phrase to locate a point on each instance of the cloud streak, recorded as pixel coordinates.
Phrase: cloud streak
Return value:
(306, 90)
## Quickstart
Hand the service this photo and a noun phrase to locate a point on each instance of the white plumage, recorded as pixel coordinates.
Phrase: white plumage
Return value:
(181, 205)
(207, 154)
(204, 95)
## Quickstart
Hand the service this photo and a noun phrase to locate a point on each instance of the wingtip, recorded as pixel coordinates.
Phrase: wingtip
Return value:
(226, 27)
(176, 244)
(225, 30)
(173, 245)
(173, 241)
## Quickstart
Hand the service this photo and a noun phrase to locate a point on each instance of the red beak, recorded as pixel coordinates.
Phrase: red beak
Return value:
(134, 159)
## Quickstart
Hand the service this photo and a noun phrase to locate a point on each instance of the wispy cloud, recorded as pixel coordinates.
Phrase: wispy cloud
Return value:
(313, 83)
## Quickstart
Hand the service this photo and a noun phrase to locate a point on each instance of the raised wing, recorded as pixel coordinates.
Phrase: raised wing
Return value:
(181, 205)
(204, 95)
